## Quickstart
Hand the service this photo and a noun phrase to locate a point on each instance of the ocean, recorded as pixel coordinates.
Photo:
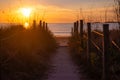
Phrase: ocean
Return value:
(64, 29)
(60, 29)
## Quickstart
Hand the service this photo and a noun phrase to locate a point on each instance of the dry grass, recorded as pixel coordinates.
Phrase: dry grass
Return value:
(96, 60)
(25, 54)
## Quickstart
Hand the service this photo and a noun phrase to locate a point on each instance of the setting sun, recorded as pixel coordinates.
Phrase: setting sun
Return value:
(26, 25)
(26, 11)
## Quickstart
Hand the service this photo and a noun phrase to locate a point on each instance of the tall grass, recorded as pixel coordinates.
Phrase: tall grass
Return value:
(25, 54)
(95, 71)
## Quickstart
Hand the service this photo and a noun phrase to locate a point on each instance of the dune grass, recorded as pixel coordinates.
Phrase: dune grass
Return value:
(25, 54)
(78, 54)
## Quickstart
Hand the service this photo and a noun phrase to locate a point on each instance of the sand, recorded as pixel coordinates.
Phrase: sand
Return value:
(62, 40)
(62, 66)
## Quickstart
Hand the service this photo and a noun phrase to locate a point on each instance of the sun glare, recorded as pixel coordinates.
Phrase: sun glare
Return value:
(26, 11)
(26, 25)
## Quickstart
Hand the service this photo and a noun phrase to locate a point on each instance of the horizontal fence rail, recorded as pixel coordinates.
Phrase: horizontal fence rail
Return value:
(98, 33)
(98, 48)
(104, 52)
(113, 42)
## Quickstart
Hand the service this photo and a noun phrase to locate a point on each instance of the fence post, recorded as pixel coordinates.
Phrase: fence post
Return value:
(75, 29)
(81, 32)
(89, 44)
(0, 43)
(77, 24)
(106, 53)
(74, 26)
(46, 28)
(72, 31)
(76, 33)
(40, 23)
(34, 24)
(44, 25)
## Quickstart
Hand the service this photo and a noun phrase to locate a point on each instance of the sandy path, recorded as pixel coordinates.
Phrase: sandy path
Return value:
(63, 68)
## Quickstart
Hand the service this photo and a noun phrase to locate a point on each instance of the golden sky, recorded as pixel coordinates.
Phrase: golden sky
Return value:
(56, 11)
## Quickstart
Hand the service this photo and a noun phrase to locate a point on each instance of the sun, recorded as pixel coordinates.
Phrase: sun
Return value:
(26, 25)
(26, 11)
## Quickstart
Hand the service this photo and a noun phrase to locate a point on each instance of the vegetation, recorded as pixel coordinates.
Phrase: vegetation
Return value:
(25, 54)
(79, 54)
(117, 10)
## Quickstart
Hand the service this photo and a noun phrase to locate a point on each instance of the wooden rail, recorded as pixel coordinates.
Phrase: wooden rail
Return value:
(113, 42)
(105, 52)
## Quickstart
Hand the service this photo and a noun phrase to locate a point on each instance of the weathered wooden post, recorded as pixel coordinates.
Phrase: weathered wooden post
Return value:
(77, 25)
(40, 23)
(75, 30)
(46, 28)
(72, 31)
(74, 27)
(34, 24)
(89, 44)
(44, 25)
(81, 32)
(0, 42)
(106, 53)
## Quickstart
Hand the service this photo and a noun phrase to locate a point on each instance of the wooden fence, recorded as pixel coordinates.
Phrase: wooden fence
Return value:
(105, 51)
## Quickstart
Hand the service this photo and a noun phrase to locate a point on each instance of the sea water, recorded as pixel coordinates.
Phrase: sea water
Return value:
(60, 29)
(64, 29)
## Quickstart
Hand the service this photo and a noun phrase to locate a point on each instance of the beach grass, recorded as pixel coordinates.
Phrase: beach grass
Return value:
(79, 53)
(25, 54)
